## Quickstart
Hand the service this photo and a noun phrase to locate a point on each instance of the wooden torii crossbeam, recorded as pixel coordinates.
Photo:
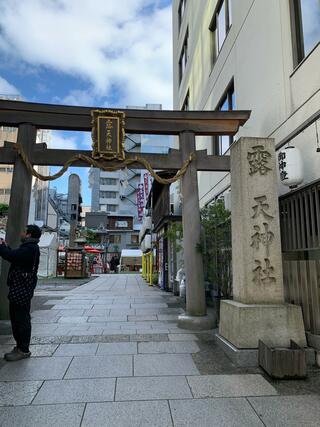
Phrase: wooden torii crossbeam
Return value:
(29, 117)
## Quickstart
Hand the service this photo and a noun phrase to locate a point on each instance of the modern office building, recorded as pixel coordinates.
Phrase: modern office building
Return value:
(261, 56)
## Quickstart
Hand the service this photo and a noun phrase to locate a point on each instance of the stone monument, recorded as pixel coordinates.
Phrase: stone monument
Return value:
(258, 310)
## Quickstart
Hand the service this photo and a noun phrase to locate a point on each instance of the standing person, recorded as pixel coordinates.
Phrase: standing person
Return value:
(112, 264)
(22, 280)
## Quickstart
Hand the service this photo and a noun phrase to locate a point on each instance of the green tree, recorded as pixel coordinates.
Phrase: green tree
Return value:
(3, 209)
(91, 236)
(215, 247)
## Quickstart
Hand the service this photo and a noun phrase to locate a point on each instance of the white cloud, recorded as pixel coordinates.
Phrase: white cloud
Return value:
(58, 140)
(7, 89)
(106, 43)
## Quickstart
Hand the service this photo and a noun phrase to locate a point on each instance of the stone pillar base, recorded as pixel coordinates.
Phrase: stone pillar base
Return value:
(275, 324)
(196, 323)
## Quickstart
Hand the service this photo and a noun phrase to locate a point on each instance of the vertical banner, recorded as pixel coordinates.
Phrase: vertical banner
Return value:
(140, 201)
(146, 184)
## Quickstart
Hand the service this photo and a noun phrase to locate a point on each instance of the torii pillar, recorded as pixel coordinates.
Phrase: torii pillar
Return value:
(196, 317)
(18, 207)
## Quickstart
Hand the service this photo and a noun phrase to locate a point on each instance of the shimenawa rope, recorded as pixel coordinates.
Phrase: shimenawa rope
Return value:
(101, 164)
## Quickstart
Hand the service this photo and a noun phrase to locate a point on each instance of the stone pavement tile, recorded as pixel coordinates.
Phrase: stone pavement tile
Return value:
(141, 318)
(71, 313)
(43, 350)
(98, 319)
(146, 311)
(42, 416)
(54, 301)
(122, 312)
(100, 367)
(150, 388)
(73, 319)
(213, 413)
(38, 368)
(44, 313)
(76, 349)
(149, 305)
(97, 312)
(85, 332)
(169, 310)
(112, 319)
(168, 316)
(168, 347)
(155, 331)
(18, 393)
(147, 365)
(50, 340)
(127, 414)
(38, 328)
(182, 337)
(45, 319)
(117, 348)
(73, 306)
(150, 337)
(99, 338)
(76, 391)
(293, 411)
(230, 386)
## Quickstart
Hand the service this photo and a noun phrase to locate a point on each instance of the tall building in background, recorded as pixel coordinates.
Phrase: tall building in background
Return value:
(116, 192)
(38, 212)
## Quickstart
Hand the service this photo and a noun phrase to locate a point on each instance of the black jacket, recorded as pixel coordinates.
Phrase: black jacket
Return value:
(25, 258)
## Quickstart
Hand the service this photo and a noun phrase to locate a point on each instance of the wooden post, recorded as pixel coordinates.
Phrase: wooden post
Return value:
(18, 207)
(195, 317)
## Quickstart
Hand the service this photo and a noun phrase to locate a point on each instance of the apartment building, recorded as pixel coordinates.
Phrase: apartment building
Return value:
(250, 55)
(262, 56)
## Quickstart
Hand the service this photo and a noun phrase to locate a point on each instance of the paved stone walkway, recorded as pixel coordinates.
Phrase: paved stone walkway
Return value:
(109, 353)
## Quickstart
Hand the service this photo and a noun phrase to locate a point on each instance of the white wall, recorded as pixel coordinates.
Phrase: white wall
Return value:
(257, 54)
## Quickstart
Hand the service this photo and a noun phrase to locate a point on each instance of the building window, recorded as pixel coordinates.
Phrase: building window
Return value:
(220, 25)
(112, 208)
(108, 181)
(185, 105)
(305, 23)
(227, 103)
(183, 57)
(108, 194)
(115, 238)
(134, 239)
(103, 208)
(181, 9)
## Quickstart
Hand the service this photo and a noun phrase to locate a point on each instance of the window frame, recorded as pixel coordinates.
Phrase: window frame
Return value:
(181, 11)
(227, 95)
(297, 37)
(214, 28)
(183, 54)
(186, 102)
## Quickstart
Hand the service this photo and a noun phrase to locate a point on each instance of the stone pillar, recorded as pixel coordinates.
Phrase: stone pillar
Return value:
(18, 208)
(196, 314)
(258, 310)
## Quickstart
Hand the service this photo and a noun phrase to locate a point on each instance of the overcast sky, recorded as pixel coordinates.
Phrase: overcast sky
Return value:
(104, 53)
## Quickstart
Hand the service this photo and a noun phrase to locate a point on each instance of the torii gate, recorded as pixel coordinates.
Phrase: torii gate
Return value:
(258, 310)
(29, 117)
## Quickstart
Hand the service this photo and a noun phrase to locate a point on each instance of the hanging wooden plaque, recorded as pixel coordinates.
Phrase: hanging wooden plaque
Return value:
(108, 134)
